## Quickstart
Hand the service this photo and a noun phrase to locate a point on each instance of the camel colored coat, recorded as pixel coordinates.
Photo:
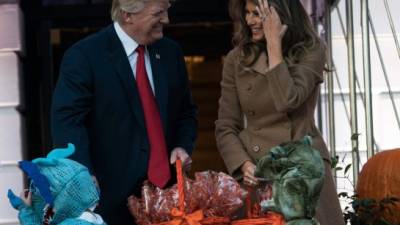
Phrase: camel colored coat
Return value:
(261, 108)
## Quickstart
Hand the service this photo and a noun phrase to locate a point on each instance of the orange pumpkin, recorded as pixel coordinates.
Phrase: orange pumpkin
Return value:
(380, 178)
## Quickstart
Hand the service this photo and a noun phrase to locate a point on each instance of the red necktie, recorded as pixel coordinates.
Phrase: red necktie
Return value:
(158, 170)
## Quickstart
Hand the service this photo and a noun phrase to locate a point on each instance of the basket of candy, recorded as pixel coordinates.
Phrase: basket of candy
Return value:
(210, 199)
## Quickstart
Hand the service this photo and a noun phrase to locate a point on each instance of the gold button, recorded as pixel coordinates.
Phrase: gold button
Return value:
(256, 148)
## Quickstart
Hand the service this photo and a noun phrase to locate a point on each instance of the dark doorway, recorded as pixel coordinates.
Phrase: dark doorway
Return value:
(202, 28)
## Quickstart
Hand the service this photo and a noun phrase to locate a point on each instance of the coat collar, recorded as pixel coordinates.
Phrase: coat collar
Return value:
(128, 43)
(260, 65)
(122, 67)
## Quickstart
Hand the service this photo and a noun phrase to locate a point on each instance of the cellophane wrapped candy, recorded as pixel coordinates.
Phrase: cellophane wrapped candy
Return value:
(217, 194)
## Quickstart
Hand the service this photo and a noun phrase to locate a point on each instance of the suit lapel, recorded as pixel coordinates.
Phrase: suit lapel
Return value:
(121, 63)
(160, 82)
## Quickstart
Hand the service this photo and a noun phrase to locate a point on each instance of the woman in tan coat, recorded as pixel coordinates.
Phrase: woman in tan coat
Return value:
(269, 90)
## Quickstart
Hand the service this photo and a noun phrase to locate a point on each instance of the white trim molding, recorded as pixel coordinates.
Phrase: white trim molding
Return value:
(9, 222)
(8, 163)
(8, 104)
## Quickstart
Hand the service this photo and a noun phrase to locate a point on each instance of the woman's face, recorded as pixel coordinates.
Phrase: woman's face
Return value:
(254, 21)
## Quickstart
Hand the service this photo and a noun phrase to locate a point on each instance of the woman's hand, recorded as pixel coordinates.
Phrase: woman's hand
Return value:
(248, 169)
(274, 31)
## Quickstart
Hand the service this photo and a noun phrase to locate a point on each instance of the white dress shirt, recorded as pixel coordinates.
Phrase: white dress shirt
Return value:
(130, 46)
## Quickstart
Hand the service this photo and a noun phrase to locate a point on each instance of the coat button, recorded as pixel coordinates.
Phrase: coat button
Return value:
(257, 128)
(252, 113)
(249, 87)
(256, 148)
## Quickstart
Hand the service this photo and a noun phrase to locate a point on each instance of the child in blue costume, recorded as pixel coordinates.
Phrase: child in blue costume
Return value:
(60, 186)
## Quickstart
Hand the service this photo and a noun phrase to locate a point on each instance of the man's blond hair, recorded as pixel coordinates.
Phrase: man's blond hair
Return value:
(131, 6)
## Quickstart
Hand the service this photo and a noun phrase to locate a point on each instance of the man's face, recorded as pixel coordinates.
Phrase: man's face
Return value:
(146, 26)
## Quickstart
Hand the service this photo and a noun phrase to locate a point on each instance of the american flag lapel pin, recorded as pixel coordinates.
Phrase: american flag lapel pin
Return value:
(158, 56)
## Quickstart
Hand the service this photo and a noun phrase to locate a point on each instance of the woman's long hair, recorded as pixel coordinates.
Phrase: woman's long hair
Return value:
(298, 39)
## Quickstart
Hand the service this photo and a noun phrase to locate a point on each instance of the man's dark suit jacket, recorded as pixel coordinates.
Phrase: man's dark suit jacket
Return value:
(96, 106)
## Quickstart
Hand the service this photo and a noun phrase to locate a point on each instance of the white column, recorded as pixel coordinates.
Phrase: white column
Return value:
(10, 120)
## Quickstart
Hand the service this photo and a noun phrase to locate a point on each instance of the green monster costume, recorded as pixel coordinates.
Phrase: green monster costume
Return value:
(297, 172)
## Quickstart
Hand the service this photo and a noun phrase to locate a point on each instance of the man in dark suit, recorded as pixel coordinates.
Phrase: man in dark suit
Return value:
(123, 99)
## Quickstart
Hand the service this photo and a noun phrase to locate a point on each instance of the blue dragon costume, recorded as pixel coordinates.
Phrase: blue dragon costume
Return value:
(62, 192)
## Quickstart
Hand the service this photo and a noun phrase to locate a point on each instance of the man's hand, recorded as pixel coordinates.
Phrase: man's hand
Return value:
(180, 153)
(248, 169)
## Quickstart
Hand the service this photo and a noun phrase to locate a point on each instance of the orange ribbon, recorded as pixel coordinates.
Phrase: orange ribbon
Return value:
(276, 218)
(180, 218)
(269, 219)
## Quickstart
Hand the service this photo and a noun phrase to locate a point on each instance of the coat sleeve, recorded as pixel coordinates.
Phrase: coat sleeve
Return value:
(71, 104)
(230, 120)
(291, 85)
(186, 123)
